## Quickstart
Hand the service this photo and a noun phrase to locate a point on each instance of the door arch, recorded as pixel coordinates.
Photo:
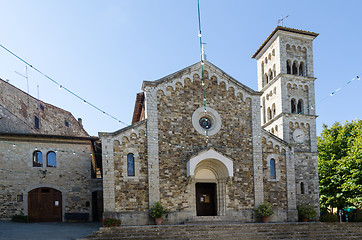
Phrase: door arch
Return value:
(44, 205)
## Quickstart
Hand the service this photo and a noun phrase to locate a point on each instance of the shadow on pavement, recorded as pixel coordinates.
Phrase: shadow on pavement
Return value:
(49, 231)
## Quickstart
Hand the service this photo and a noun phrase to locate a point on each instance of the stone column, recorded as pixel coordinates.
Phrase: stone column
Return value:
(152, 145)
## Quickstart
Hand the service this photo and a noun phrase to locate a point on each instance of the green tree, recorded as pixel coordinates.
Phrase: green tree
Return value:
(340, 165)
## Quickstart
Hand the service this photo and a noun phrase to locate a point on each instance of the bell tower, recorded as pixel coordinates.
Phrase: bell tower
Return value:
(286, 79)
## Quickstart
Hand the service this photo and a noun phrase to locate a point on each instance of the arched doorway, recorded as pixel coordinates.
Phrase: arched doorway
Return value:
(210, 171)
(45, 205)
(206, 197)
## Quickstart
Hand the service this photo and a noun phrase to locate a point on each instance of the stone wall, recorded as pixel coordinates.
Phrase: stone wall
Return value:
(234, 140)
(18, 111)
(71, 176)
(125, 197)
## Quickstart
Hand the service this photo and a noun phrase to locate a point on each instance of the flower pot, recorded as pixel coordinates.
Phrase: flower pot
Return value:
(158, 221)
(265, 219)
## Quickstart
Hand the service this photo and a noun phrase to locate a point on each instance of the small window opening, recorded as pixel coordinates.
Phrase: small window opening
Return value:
(295, 68)
(302, 189)
(36, 122)
(292, 104)
(51, 159)
(130, 165)
(269, 114)
(37, 159)
(272, 168)
(288, 67)
(300, 106)
(41, 107)
(301, 69)
(66, 123)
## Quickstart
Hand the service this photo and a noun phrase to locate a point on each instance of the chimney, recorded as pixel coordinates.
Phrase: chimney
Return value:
(80, 122)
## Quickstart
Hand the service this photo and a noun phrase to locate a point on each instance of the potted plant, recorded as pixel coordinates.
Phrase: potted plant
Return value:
(263, 211)
(305, 212)
(111, 222)
(157, 211)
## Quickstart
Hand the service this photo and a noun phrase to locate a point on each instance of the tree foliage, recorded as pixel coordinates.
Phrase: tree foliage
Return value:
(340, 165)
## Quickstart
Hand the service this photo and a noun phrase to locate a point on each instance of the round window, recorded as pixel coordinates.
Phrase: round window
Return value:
(205, 123)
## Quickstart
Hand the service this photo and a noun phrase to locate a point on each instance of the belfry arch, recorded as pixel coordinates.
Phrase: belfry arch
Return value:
(210, 169)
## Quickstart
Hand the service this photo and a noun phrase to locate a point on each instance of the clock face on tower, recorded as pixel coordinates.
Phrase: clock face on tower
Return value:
(299, 135)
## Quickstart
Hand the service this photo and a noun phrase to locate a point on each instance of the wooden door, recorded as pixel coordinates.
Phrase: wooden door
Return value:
(206, 199)
(45, 205)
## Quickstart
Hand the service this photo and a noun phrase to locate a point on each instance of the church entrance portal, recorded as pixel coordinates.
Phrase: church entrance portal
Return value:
(45, 205)
(206, 204)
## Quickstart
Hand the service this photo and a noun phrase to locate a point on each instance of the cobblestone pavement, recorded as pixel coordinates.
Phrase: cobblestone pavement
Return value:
(45, 231)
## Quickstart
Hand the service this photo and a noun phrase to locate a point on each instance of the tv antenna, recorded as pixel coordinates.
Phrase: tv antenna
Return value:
(281, 20)
(26, 76)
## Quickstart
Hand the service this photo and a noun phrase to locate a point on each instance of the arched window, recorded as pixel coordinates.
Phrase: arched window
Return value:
(273, 110)
(266, 79)
(274, 71)
(130, 165)
(295, 68)
(292, 105)
(270, 74)
(269, 113)
(262, 71)
(301, 69)
(51, 159)
(289, 71)
(272, 168)
(264, 115)
(300, 106)
(302, 188)
(37, 159)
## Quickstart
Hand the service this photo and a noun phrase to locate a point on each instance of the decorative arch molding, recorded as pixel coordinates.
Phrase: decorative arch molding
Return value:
(238, 91)
(220, 165)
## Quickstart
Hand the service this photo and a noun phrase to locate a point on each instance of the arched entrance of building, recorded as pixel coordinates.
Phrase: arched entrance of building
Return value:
(210, 171)
(210, 186)
(45, 205)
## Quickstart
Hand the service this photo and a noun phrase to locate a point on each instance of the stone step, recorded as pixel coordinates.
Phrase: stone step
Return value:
(233, 231)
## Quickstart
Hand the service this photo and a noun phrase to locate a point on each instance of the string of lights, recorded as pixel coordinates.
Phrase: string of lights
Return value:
(327, 96)
(202, 56)
(202, 53)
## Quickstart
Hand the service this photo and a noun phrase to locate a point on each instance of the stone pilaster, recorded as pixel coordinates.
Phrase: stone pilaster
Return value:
(108, 175)
(291, 187)
(152, 145)
(257, 151)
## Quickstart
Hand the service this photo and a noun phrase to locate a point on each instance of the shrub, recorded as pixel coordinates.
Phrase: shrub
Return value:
(158, 210)
(264, 210)
(111, 222)
(329, 217)
(19, 218)
(306, 211)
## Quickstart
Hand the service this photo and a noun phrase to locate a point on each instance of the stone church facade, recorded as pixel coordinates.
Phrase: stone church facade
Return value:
(223, 158)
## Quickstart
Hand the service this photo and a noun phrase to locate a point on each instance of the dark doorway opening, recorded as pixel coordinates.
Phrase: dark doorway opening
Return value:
(97, 205)
(206, 199)
(44, 205)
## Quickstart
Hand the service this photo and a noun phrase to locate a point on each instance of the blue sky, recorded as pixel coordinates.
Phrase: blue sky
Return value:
(103, 50)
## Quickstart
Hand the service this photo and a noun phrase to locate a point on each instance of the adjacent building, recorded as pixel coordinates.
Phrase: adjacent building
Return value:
(48, 162)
